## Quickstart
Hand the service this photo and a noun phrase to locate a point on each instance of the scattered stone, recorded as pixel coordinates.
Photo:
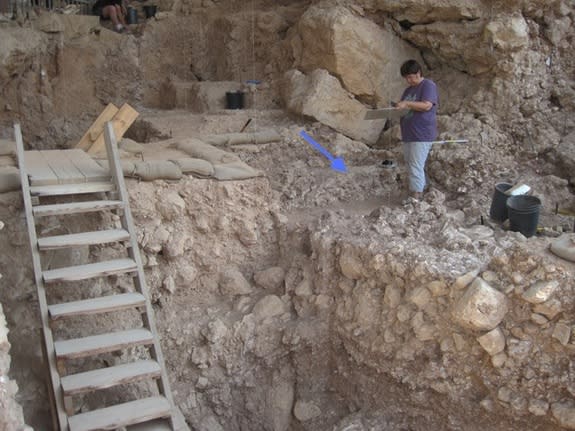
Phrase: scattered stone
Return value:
(498, 360)
(504, 394)
(487, 404)
(169, 284)
(419, 296)
(465, 279)
(539, 319)
(216, 331)
(304, 289)
(493, 342)
(549, 309)
(481, 307)
(232, 283)
(271, 278)
(351, 265)
(423, 331)
(305, 411)
(564, 413)
(202, 383)
(438, 288)
(268, 306)
(392, 296)
(562, 333)
(538, 407)
(540, 291)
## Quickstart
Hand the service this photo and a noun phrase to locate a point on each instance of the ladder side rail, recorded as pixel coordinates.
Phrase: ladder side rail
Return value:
(40, 287)
(134, 253)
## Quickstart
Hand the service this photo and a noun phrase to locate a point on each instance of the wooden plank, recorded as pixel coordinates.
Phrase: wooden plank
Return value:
(76, 207)
(103, 343)
(97, 127)
(71, 189)
(38, 170)
(113, 417)
(90, 270)
(66, 172)
(121, 122)
(83, 238)
(102, 304)
(163, 424)
(103, 378)
(88, 166)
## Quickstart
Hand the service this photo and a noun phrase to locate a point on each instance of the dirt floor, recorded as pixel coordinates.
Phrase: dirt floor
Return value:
(298, 297)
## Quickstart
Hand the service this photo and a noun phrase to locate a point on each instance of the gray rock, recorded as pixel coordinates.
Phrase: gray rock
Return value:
(540, 291)
(564, 413)
(305, 411)
(493, 342)
(481, 307)
(271, 278)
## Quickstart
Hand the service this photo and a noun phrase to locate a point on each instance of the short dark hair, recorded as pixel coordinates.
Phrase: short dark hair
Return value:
(410, 67)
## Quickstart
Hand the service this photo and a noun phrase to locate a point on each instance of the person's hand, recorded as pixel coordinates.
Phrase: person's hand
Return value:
(401, 105)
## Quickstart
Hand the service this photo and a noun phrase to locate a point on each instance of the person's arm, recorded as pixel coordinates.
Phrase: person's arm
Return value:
(422, 106)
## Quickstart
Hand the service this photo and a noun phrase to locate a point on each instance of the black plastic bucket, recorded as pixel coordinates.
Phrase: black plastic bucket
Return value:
(235, 100)
(523, 213)
(132, 16)
(498, 210)
(150, 10)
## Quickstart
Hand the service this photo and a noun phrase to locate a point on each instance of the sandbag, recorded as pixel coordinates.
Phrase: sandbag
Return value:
(128, 167)
(131, 146)
(195, 166)
(263, 137)
(200, 150)
(156, 170)
(9, 179)
(235, 171)
(564, 247)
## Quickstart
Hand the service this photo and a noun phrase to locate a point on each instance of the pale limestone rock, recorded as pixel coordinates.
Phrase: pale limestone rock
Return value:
(171, 206)
(176, 245)
(403, 313)
(438, 288)
(419, 296)
(549, 309)
(268, 306)
(216, 331)
(320, 95)
(564, 247)
(493, 342)
(460, 343)
(564, 413)
(352, 48)
(498, 360)
(504, 394)
(350, 264)
(247, 233)
(187, 274)
(519, 349)
(306, 410)
(169, 284)
(232, 283)
(540, 291)
(202, 382)
(481, 307)
(392, 296)
(465, 279)
(323, 302)
(209, 423)
(562, 333)
(539, 319)
(281, 398)
(423, 331)
(271, 278)
(507, 33)
(304, 288)
(538, 407)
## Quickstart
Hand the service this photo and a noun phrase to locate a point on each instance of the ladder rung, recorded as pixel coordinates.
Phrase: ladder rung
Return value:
(103, 304)
(157, 425)
(96, 344)
(107, 377)
(90, 270)
(76, 207)
(71, 189)
(113, 417)
(83, 238)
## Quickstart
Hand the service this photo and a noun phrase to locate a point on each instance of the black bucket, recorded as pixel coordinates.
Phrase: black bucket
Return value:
(132, 16)
(150, 10)
(523, 213)
(235, 100)
(498, 210)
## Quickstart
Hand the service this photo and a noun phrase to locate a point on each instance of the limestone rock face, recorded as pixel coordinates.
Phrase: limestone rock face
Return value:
(364, 56)
(481, 307)
(507, 33)
(321, 96)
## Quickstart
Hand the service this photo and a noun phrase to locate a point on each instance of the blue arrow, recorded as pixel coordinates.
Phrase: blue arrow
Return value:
(337, 163)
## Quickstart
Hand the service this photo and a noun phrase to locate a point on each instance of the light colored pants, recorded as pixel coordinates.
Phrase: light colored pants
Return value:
(415, 154)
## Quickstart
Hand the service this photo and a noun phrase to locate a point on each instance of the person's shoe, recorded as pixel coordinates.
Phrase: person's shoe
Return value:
(416, 195)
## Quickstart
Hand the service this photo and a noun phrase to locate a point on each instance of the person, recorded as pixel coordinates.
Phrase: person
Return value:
(114, 10)
(419, 125)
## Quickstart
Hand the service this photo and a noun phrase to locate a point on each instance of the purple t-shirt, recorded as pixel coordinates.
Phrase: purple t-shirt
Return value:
(420, 126)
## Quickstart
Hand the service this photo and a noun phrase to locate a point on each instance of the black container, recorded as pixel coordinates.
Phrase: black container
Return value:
(235, 100)
(523, 213)
(150, 10)
(132, 16)
(498, 210)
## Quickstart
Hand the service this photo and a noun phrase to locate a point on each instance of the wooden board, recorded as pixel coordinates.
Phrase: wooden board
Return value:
(38, 170)
(96, 344)
(83, 238)
(97, 127)
(88, 166)
(387, 113)
(101, 304)
(59, 162)
(114, 417)
(90, 270)
(75, 208)
(121, 122)
(71, 189)
(107, 377)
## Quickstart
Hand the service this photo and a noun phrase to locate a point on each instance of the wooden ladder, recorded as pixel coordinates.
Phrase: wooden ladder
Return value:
(153, 407)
